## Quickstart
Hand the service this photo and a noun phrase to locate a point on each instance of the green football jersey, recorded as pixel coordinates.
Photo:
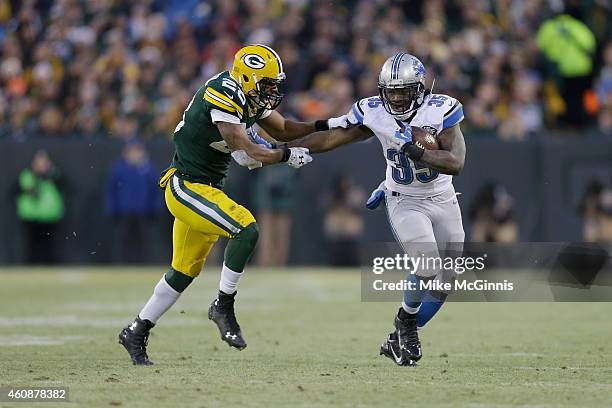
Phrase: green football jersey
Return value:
(202, 156)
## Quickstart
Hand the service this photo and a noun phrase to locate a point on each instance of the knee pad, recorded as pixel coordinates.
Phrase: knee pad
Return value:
(177, 280)
(240, 248)
(249, 234)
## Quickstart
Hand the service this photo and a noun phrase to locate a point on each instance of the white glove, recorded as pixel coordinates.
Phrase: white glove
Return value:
(299, 157)
(243, 159)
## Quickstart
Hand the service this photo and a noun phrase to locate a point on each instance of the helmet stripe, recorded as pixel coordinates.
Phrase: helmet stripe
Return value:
(396, 63)
(278, 60)
(399, 61)
(393, 61)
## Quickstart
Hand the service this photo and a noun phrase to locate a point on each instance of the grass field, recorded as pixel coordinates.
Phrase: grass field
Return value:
(311, 343)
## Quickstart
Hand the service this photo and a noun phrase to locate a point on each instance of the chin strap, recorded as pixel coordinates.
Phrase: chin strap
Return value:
(425, 93)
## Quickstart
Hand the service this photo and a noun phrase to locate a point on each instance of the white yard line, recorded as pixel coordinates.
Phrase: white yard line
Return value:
(83, 321)
(29, 340)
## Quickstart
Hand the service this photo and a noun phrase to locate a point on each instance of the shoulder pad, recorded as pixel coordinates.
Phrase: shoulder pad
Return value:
(224, 93)
(447, 108)
(360, 108)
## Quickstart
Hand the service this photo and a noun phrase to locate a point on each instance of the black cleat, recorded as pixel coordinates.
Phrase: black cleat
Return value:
(221, 311)
(408, 339)
(134, 338)
(390, 348)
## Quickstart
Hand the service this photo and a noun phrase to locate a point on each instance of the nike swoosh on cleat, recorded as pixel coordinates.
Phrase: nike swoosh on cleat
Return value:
(398, 359)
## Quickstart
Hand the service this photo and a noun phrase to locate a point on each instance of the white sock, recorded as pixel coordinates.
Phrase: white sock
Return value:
(411, 310)
(229, 280)
(164, 296)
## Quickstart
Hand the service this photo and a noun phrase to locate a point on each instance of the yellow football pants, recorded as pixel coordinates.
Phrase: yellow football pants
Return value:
(201, 213)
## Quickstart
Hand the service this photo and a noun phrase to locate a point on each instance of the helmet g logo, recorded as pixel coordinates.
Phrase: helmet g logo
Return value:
(254, 61)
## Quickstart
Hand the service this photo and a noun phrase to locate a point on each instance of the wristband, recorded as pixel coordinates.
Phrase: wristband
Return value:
(321, 125)
(413, 151)
(286, 152)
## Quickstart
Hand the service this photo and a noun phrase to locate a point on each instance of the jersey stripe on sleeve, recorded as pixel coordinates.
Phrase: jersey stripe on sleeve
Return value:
(218, 104)
(358, 112)
(214, 94)
(453, 116)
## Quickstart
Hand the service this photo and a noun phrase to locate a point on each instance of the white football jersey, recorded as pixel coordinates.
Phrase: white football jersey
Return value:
(438, 112)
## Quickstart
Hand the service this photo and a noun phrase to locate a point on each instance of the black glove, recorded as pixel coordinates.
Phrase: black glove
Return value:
(413, 151)
(286, 151)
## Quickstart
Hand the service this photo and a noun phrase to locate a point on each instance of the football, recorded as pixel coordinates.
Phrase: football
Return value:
(424, 139)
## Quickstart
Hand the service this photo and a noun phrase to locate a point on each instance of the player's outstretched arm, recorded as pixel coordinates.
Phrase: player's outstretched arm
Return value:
(285, 130)
(320, 142)
(252, 153)
(451, 157)
(237, 139)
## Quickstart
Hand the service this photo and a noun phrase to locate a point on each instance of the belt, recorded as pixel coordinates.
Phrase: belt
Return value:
(396, 194)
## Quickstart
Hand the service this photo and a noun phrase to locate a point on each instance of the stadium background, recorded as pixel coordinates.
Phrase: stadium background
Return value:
(88, 80)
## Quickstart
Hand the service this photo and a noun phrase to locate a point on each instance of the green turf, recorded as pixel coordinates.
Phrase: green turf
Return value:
(312, 343)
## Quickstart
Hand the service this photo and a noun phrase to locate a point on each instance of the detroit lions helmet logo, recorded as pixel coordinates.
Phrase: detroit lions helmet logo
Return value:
(418, 67)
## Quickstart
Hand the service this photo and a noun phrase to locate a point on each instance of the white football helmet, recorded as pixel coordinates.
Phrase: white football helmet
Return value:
(401, 84)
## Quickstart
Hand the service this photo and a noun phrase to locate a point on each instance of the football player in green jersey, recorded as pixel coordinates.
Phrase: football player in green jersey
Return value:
(215, 127)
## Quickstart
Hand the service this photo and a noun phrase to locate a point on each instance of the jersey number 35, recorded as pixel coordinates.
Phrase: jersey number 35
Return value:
(402, 173)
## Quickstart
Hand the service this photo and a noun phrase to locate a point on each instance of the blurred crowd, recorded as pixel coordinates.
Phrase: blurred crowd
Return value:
(492, 215)
(596, 210)
(118, 69)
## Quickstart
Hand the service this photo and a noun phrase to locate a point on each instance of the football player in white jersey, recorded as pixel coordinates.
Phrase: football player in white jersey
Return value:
(418, 192)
